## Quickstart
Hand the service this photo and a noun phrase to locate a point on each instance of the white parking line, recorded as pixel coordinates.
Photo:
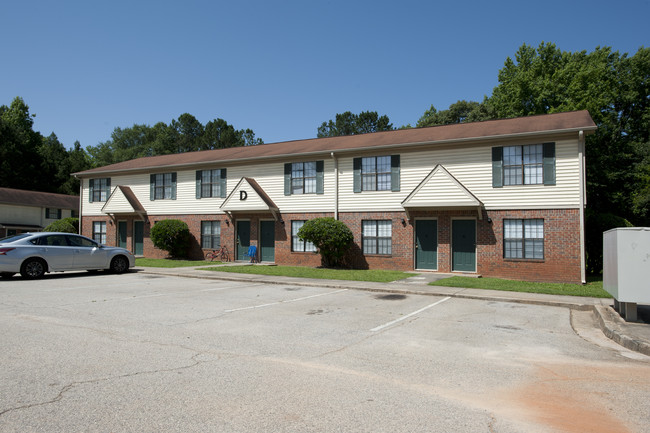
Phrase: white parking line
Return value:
(284, 302)
(386, 325)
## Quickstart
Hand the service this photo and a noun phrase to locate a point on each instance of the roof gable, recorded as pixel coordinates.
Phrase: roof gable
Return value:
(123, 201)
(440, 189)
(248, 195)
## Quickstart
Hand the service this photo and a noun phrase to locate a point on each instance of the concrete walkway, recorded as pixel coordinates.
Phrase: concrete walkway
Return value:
(633, 336)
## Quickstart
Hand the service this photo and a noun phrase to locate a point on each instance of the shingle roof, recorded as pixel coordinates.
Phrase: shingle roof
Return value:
(41, 199)
(552, 123)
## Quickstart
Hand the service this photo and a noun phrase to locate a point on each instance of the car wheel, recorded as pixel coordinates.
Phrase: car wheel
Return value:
(119, 264)
(6, 274)
(33, 268)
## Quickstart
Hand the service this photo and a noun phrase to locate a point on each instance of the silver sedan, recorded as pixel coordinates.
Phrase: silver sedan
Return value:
(34, 254)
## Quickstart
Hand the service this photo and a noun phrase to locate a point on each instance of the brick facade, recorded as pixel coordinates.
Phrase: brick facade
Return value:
(561, 261)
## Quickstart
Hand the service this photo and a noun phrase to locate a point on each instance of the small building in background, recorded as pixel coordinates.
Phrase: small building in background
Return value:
(31, 211)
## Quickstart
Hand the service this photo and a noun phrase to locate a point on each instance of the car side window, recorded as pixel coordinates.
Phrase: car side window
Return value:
(52, 241)
(78, 241)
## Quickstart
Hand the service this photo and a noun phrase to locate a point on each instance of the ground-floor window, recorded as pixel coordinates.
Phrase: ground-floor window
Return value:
(523, 238)
(99, 232)
(210, 234)
(297, 244)
(377, 237)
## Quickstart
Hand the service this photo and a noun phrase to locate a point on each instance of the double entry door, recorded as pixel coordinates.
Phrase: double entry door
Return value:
(463, 245)
(138, 236)
(266, 244)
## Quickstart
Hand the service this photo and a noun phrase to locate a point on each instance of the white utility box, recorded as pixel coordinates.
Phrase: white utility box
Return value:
(626, 268)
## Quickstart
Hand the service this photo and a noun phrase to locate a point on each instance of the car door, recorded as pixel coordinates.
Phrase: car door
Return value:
(55, 250)
(86, 253)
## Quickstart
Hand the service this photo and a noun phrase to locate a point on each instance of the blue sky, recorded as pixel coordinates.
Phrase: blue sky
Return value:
(280, 68)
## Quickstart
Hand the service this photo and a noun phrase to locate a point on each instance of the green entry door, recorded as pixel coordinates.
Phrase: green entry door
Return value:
(138, 238)
(463, 245)
(243, 238)
(426, 244)
(267, 241)
(121, 234)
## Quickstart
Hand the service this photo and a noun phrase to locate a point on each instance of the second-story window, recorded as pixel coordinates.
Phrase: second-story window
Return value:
(163, 186)
(377, 173)
(211, 183)
(303, 178)
(99, 189)
(529, 164)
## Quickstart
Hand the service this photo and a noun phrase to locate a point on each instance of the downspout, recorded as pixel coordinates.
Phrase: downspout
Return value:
(583, 203)
(336, 186)
(81, 201)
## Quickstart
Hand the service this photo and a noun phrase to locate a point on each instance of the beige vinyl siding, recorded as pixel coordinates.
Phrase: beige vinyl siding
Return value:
(472, 167)
(270, 176)
(470, 164)
(118, 202)
(30, 215)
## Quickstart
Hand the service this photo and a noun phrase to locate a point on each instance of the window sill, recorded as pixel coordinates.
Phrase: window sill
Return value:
(525, 260)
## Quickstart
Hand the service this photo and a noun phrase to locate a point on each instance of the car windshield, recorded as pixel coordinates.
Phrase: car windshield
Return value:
(15, 238)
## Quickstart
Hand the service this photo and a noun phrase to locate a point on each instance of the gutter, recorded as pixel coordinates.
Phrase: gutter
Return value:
(336, 186)
(583, 203)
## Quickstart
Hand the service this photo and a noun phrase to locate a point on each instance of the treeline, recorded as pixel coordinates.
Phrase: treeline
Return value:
(33, 162)
(185, 134)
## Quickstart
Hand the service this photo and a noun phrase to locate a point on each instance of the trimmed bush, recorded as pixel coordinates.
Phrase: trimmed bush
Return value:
(331, 237)
(172, 236)
(65, 225)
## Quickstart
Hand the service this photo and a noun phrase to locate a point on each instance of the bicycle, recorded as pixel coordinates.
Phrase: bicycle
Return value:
(222, 254)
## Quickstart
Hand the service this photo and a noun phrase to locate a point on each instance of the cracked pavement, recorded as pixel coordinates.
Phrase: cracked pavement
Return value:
(107, 353)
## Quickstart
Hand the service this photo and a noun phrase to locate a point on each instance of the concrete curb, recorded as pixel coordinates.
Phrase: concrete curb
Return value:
(611, 325)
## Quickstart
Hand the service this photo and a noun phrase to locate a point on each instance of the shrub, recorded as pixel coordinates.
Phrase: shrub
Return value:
(172, 236)
(65, 225)
(331, 237)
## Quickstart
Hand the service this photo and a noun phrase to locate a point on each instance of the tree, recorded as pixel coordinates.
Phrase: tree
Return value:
(185, 134)
(331, 237)
(459, 112)
(20, 162)
(172, 236)
(351, 124)
(614, 88)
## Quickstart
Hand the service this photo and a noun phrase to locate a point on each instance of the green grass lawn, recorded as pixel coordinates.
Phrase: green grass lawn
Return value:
(377, 276)
(593, 288)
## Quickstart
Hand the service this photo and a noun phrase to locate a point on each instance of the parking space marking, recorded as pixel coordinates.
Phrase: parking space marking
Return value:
(284, 302)
(386, 325)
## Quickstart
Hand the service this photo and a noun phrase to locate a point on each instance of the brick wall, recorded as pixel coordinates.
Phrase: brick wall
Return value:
(561, 241)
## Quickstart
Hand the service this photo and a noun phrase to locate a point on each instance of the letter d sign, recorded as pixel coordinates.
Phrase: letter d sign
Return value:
(243, 195)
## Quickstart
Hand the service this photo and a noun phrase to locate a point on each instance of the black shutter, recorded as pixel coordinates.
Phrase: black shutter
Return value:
(152, 187)
(108, 188)
(287, 178)
(198, 183)
(356, 165)
(173, 186)
(58, 214)
(394, 172)
(549, 163)
(91, 189)
(320, 168)
(497, 167)
(222, 183)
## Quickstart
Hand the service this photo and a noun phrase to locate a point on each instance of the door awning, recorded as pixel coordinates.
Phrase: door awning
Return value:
(123, 201)
(441, 190)
(248, 196)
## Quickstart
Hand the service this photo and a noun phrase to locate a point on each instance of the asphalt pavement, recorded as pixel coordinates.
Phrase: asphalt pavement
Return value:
(631, 335)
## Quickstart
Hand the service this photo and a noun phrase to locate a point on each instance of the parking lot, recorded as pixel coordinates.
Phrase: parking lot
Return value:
(149, 353)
